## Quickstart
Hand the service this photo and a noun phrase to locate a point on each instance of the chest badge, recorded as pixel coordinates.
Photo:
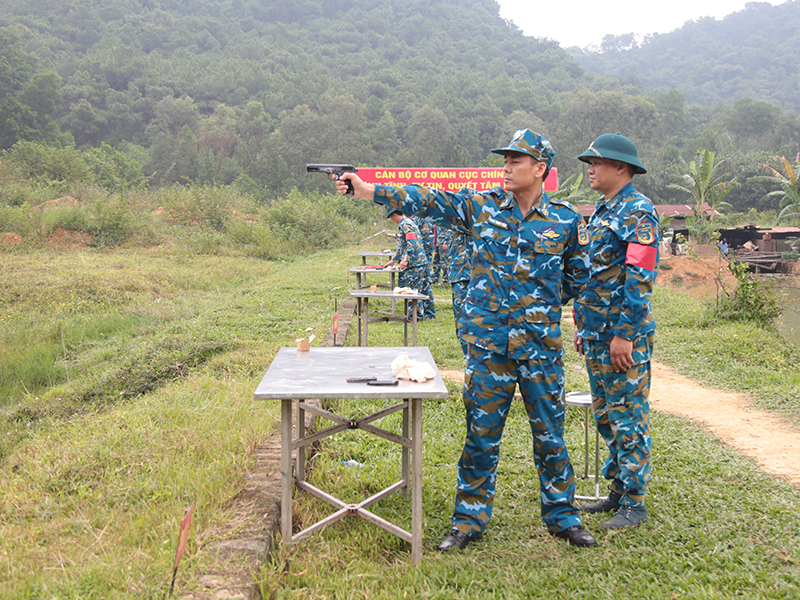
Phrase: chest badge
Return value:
(500, 224)
(550, 234)
(645, 234)
(583, 234)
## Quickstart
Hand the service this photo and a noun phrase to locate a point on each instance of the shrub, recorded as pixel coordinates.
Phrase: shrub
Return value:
(752, 300)
(45, 164)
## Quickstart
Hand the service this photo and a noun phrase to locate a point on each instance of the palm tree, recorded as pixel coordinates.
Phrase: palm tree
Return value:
(789, 193)
(570, 191)
(708, 189)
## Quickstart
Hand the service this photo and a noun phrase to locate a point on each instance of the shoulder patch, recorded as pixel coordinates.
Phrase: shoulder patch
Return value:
(583, 233)
(563, 203)
(645, 234)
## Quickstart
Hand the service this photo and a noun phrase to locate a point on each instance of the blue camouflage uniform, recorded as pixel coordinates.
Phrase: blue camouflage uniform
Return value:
(441, 239)
(459, 265)
(524, 268)
(416, 274)
(625, 234)
(427, 231)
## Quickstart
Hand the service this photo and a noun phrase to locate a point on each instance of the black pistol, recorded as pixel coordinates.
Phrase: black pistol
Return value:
(334, 170)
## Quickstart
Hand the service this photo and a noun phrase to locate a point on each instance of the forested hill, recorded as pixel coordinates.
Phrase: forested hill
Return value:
(382, 82)
(752, 53)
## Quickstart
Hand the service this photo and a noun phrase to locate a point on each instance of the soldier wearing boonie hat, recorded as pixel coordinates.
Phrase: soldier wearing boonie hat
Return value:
(527, 259)
(527, 142)
(615, 326)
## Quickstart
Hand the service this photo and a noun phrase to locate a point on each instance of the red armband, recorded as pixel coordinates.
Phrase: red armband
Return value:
(641, 256)
(411, 235)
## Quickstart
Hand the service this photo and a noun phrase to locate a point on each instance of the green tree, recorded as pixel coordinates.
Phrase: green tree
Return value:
(173, 140)
(113, 170)
(789, 184)
(708, 188)
(27, 99)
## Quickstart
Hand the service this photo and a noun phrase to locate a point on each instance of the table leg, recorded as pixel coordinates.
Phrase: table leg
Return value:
(366, 320)
(358, 318)
(416, 481)
(586, 412)
(300, 463)
(391, 282)
(286, 471)
(405, 452)
(414, 306)
(405, 321)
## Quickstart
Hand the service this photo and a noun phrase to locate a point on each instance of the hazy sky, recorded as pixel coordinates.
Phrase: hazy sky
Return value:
(583, 22)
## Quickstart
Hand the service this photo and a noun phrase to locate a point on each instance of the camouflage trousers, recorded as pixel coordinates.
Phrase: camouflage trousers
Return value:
(418, 278)
(438, 265)
(490, 380)
(459, 295)
(621, 406)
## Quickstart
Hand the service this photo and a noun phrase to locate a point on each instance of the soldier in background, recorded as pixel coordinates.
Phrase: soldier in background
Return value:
(458, 248)
(413, 263)
(614, 323)
(441, 239)
(528, 260)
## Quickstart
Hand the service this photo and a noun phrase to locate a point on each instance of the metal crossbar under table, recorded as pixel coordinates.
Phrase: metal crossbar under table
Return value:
(362, 312)
(584, 400)
(320, 374)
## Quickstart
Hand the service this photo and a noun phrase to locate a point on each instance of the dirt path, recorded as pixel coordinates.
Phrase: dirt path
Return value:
(730, 417)
(753, 432)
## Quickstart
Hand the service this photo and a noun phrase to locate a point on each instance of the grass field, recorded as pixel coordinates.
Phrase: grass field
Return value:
(126, 382)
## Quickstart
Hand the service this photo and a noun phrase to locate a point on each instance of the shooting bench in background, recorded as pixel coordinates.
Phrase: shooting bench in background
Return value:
(364, 319)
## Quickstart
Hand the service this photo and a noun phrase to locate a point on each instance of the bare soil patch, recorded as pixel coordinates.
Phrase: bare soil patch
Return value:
(66, 238)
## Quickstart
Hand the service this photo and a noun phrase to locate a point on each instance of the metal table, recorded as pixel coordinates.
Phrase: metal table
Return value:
(321, 373)
(364, 255)
(361, 272)
(362, 312)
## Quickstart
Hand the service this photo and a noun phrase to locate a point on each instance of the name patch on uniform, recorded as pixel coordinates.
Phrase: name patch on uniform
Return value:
(583, 234)
(411, 235)
(645, 234)
(500, 224)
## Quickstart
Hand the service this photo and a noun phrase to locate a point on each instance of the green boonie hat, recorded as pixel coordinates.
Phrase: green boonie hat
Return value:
(532, 144)
(615, 147)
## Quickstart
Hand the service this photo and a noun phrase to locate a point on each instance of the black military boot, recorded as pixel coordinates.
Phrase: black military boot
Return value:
(610, 504)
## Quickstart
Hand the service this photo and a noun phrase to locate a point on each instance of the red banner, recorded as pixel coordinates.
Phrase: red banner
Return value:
(448, 180)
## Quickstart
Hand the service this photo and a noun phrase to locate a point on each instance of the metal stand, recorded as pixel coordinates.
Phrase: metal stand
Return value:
(584, 400)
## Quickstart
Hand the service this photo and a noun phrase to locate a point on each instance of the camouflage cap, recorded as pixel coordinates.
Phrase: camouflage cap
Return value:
(615, 147)
(532, 144)
(390, 211)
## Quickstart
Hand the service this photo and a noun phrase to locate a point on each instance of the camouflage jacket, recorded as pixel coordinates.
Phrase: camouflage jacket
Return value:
(459, 255)
(625, 236)
(428, 232)
(410, 245)
(523, 267)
